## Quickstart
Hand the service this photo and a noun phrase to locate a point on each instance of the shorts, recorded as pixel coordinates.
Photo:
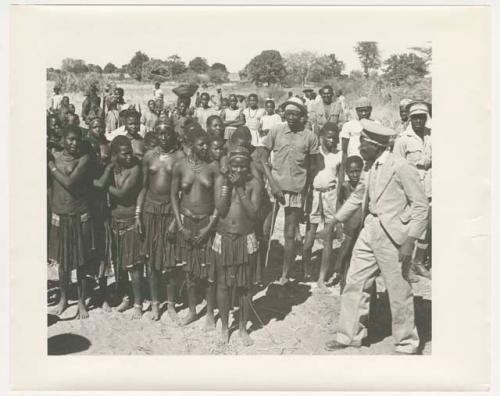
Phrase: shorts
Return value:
(292, 199)
(323, 206)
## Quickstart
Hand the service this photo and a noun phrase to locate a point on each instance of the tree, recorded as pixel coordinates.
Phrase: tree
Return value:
(368, 56)
(155, 70)
(425, 53)
(217, 76)
(301, 64)
(198, 65)
(134, 67)
(175, 65)
(94, 68)
(110, 68)
(325, 67)
(219, 66)
(74, 65)
(402, 68)
(267, 67)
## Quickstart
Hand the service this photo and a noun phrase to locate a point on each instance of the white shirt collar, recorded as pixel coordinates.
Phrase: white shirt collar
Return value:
(383, 157)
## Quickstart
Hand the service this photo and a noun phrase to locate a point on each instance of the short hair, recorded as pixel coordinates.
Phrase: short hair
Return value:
(253, 95)
(151, 101)
(193, 132)
(206, 95)
(72, 129)
(326, 87)
(243, 133)
(157, 84)
(354, 159)
(233, 96)
(211, 118)
(101, 120)
(329, 126)
(129, 113)
(150, 137)
(215, 138)
(120, 141)
(167, 125)
(270, 101)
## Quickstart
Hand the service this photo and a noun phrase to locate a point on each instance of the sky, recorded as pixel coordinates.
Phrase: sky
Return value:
(232, 36)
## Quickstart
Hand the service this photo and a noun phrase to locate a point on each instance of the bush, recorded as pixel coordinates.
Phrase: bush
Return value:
(81, 82)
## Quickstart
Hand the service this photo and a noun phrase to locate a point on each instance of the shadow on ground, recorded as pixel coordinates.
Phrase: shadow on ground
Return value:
(65, 344)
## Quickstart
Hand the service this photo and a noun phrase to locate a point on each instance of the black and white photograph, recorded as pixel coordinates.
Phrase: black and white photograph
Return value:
(238, 188)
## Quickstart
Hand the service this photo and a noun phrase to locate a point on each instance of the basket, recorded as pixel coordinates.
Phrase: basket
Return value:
(185, 90)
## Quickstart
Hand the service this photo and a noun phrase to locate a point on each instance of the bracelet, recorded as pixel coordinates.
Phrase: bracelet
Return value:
(53, 169)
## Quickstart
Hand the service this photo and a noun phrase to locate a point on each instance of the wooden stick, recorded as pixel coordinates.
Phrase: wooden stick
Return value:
(273, 219)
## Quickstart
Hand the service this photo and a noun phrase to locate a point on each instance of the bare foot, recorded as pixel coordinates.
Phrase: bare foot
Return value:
(283, 281)
(105, 306)
(61, 307)
(321, 286)
(224, 337)
(210, 322)
(124, 305)
(172, 314)
(191, 317)
(245, 338)
(136, 312)
(82, 311)
(155, 311)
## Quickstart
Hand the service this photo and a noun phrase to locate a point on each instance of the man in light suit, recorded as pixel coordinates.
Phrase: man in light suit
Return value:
(395, 211)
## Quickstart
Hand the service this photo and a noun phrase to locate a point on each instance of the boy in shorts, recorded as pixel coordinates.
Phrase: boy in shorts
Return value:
(322, 200)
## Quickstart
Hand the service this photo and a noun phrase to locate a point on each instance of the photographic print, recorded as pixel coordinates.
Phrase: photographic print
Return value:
(237, 188)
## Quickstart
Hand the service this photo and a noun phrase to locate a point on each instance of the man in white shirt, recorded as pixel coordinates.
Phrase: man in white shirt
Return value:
(351, 130)
(395, 212)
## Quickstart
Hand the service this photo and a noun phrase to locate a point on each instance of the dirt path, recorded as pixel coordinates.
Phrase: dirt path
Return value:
(297, 319)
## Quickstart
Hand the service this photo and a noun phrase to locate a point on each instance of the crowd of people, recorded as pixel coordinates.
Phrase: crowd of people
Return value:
(194, 189)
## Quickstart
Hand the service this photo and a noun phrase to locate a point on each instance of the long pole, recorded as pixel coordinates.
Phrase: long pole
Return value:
(273, 219)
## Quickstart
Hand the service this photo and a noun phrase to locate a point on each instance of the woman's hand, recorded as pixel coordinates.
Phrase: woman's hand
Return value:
(138, 225)
(202, 235)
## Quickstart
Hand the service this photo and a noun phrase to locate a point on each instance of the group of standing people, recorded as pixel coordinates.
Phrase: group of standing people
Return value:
(196, 191)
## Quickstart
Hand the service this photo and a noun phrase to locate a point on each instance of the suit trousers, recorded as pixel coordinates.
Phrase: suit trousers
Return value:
(374, 251)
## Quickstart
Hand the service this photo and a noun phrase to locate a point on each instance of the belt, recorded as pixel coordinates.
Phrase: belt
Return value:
(327, 189)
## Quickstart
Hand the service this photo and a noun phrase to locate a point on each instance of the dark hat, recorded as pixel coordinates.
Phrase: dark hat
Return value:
(308, 90)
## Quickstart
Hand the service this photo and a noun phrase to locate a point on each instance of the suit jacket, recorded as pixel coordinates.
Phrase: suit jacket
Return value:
(402, 206)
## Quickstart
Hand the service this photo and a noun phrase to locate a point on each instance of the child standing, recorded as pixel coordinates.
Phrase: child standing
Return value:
(322, 200)
(354, 167)
(268, 120)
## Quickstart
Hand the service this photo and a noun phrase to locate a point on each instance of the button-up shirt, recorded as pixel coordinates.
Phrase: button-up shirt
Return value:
(290, 151)
(352, 130)
(418, 152)
(373, 181)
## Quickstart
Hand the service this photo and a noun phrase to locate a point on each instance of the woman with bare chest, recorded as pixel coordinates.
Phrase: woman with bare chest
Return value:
(238, 197)
(192, 196)
(122, 179)
(157, 222)
(100, 211)
(71, 235)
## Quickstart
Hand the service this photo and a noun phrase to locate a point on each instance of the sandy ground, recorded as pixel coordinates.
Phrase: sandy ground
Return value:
(296, 319)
